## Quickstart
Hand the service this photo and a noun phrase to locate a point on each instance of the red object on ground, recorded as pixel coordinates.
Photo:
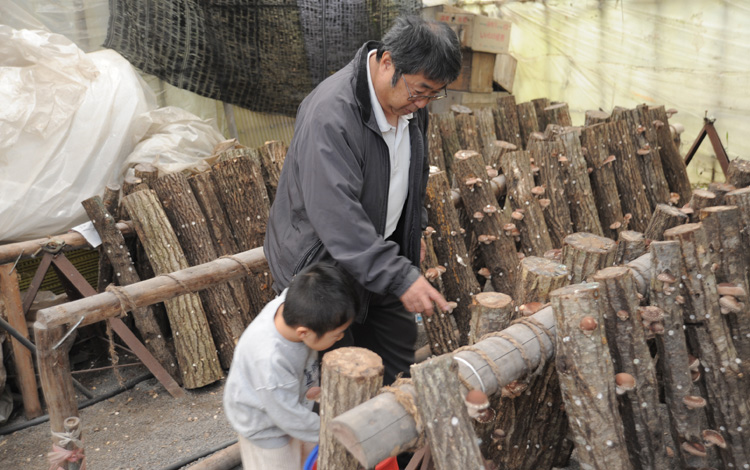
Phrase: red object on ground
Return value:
(387, 464)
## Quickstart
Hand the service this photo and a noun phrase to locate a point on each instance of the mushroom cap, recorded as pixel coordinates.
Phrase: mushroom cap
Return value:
(651, 313)
(694, 449)
(313, 393)
(588, 325)
(544, 203)
(623, 315)
(477, 399)
(615, 225)
(693, 362)
(517, 215)
(730, 303)
(625, 381)
(478, 215)
(537, 190)
(713, 438)
(484, 272)
(489, 209)
(726, 288)
(431, 274)
(530, 308)
(666, 277)
(429, 230)
(693, 401)
(643, 151)
(509, 227)
(491, 172)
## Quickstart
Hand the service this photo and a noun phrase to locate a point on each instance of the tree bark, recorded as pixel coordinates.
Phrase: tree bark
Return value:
(191, 227)
(586, 376)
(639, 408)
(686, 423)
(701, 199)
(556, 214)
(486, 128)
(506, 121)
(220, 229)
(497, 150)
(439, 327)
(707, 336)
(194, 347)
(447, 423)
(738, 173)
(603, 182)
(538, 277)
(664, 218)
(272, 155)
(741, 199)
(586, 253)
(349, 376)
(634, 200)
(575, 176)
(630, 246)
(458, 280)
(557, 114)
(527, 122)
(468, 132)
(720, 189)
(595, 116)
(497, 246)
(110, 200)
(672, 162)
(449, 133)
(490, 312)
(113, 245)
(435, 144)
(242, 193)
(54, 376)
(529, 218)
(540, 104)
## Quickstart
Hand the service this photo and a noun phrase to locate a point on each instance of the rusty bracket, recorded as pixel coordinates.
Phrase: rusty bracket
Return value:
(710, 131)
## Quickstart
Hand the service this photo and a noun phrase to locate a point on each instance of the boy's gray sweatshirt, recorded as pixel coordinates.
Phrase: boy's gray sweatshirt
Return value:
(264, 396)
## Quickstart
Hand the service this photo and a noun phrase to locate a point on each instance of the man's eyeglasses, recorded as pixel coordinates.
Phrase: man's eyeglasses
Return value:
(413, 98)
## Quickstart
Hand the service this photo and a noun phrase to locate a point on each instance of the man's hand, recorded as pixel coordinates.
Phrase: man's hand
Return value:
(420, 296)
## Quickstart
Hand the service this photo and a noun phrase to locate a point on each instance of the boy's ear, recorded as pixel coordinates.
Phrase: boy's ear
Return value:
(302, 332)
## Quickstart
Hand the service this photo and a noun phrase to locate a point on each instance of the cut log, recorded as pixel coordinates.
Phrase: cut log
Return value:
(701, 199)
(527, 121)
(458, 280)
(497, 150)
(228, 458)
(441, 407)
(486, 128)
(527, 212)
(630, 245)
(630, 185)
(538, 277)
(349, 376)
(586, 253)
(672, 162)
(114, 248)
(496, 245)
(272, 155)
(600, 163)
(639, 404)
(707, 337)
(506, 121)
(686, 423)
(490, 312)
(729, 262)
(449, 134)
(54, 376)
(741, 199)
(435, 145)
(191, 227)
(720, 189)
(540, 104)
(242, 192)
(440, 326)
(738, 173)
(556, 214)
(110, 200)
(194, 347)
(575, 176)
(587, 377)
(146, 172)
(664, 218)
(11, 308)
(468, 132)
(595, 116)
(558, 114)
(204, 190)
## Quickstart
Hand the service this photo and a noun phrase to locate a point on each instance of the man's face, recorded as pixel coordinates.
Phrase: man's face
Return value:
(410, 93)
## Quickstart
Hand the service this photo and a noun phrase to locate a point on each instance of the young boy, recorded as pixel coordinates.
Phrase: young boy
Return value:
(276, 362)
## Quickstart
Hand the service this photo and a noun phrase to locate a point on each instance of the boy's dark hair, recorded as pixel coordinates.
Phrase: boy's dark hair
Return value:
(321, 297)
(421, 46)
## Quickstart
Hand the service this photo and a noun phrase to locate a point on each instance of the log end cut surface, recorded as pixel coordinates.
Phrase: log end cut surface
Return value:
(354, 362)
(590, 243)
(493, 299)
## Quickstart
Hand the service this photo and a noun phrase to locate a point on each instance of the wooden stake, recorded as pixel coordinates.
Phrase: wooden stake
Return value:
(54, 375)
(556, 214)
(349, 376)
(586, 377)
(630, 246)
(664, 218)
(194, 347)
(672, 162)
(586, 253)
(506, 121)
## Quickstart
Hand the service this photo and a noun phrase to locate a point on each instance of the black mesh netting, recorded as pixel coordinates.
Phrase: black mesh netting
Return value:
(265, 56)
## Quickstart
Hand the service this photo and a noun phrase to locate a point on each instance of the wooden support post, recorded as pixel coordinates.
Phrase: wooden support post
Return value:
(447, 423)
(630, 184)
(708, 339)
(527, 121)
(663, 218)
(349, 376)
(672, 162)
(113, 245)
(435, 144)
(10, 295)
(600, 163)
(54, 375)
(738, 173)
(578, 189)
(586, 253)
(486, 128)
(490, 312)
(194, 347)
(241, 189)
(630, 245)
(191, 227)
(439, 327)
(449, 133)
(595, 116)
(204, 190)
(506, 121)
(496, 245)
(272, 155)
(587, 377)
(527, 212)
(701, 199)
(558, 114)
(729, 262)
(458, 280)
(686, 423)
(72, 426)
(556, 213)
(639, 404)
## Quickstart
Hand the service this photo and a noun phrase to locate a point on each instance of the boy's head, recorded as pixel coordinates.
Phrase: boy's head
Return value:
(320, 305)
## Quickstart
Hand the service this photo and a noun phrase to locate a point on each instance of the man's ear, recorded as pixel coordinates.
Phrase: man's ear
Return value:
(302, 332)
(385, 60)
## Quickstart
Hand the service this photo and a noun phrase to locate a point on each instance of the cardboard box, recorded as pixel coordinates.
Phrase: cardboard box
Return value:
(477, 69)
(505, 71)
(476, 32)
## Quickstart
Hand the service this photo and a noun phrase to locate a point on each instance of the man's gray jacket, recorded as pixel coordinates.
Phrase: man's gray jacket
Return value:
(332, 197)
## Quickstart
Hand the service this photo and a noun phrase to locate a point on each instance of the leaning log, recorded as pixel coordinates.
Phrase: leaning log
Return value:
(435, 145)
(664, 218)
(540, 104)
(272, 155)
(701, 199)
(720, 189)
(557, 214)
(738, 173)
(586, 253)
(630, 245)
(672, 162)
(595, 116)
(191, 227)
(497, 150)
(194, 347)
(602, 175)
(587, 377)
(557, 113)
(439, 327)
(527, 121)
(468, 132)
(486, 129)
(741, 199)
(506, 121)
(349, 376)
(583, 211)
(449, 133)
